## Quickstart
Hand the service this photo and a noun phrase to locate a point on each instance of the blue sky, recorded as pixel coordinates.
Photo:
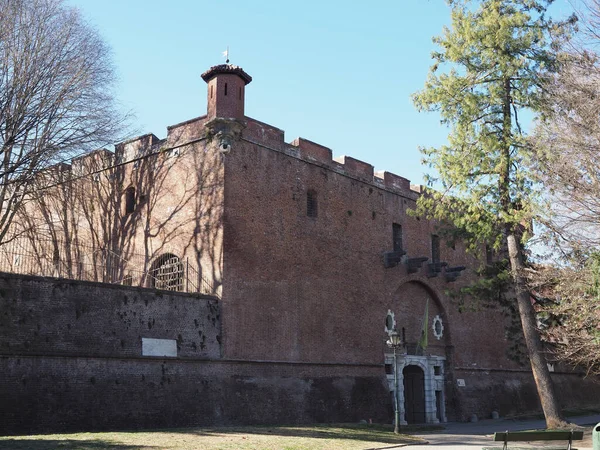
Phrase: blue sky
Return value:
(338, 73)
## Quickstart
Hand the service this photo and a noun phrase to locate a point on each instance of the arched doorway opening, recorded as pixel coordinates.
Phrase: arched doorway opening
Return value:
(414, 394)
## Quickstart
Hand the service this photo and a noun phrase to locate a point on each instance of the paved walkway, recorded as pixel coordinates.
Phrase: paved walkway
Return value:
(458, 436)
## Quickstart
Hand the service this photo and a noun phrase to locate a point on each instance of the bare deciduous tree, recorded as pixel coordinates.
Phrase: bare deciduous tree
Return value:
(568, 164)
(569, 313)
(55, 95)
(568, 142)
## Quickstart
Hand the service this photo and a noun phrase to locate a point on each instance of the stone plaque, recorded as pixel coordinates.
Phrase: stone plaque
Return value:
(159, 347)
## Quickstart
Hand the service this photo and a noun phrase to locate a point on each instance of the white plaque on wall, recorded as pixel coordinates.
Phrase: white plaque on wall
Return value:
(159, 347)
(460, 382)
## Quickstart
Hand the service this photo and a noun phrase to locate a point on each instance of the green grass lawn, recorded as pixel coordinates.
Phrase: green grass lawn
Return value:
(244, 438)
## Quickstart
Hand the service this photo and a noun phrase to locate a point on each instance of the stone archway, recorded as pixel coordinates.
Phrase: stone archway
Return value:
(431, 404)
(421, 395)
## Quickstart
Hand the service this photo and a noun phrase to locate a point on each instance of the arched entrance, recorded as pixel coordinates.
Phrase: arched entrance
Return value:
(414, 394)
(418, 316)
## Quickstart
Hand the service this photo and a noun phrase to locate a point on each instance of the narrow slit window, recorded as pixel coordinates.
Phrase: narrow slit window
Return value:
(397, 236)
(129, 200)
(225, 88)
(211, 94)
(435, 248)
(311, 204)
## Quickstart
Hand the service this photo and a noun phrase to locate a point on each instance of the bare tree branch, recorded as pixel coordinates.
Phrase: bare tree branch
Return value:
(55, 95)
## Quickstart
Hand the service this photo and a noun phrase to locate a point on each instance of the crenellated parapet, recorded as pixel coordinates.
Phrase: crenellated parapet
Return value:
(136, 147)
(356, 167)
(256, 132)
(393, 181)
(311, 151)
(92, 162)
(316, 153)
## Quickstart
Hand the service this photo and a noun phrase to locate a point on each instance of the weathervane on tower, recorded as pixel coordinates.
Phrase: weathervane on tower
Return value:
(226, 55)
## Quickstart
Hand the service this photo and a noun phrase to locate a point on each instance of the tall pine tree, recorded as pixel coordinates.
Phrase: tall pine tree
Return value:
(490, 67)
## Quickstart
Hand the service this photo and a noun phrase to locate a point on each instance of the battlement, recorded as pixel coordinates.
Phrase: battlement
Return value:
(391, 180)
(319, 154)
(186, 131)
(356, 167)
(311, 151)
(92, 162)
(136, 147)
(301, 148)
(262, 134)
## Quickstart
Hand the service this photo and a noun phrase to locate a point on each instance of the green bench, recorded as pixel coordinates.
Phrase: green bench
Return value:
(526, 436)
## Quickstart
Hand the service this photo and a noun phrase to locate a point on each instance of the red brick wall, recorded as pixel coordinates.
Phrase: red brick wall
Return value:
(315, 289)
(70, 359)
(72, 318)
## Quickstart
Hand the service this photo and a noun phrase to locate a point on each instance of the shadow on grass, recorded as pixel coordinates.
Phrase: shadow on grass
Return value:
(372, 433)
(66, 444)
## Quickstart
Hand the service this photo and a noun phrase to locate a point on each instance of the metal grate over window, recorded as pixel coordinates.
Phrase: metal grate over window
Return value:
(167, 273)
(311, 204)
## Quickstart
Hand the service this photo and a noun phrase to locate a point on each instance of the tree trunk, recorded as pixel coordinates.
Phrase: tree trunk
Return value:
(539, 366)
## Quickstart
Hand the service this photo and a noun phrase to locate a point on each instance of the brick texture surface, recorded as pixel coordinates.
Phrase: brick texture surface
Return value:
(63, 317)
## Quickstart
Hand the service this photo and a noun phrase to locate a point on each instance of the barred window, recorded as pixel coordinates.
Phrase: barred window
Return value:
(311, 203)
(167, 273)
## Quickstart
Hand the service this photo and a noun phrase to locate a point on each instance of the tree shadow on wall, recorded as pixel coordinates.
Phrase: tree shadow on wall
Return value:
(66, 444)
(108, 217)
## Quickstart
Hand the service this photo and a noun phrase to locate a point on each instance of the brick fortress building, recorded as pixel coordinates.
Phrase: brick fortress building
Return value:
(310, 262)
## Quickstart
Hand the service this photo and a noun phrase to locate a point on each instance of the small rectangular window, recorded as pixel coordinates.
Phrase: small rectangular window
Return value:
(397, 237)
(226, 89)
(129, 200)
(435, 248)
(311, 204)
